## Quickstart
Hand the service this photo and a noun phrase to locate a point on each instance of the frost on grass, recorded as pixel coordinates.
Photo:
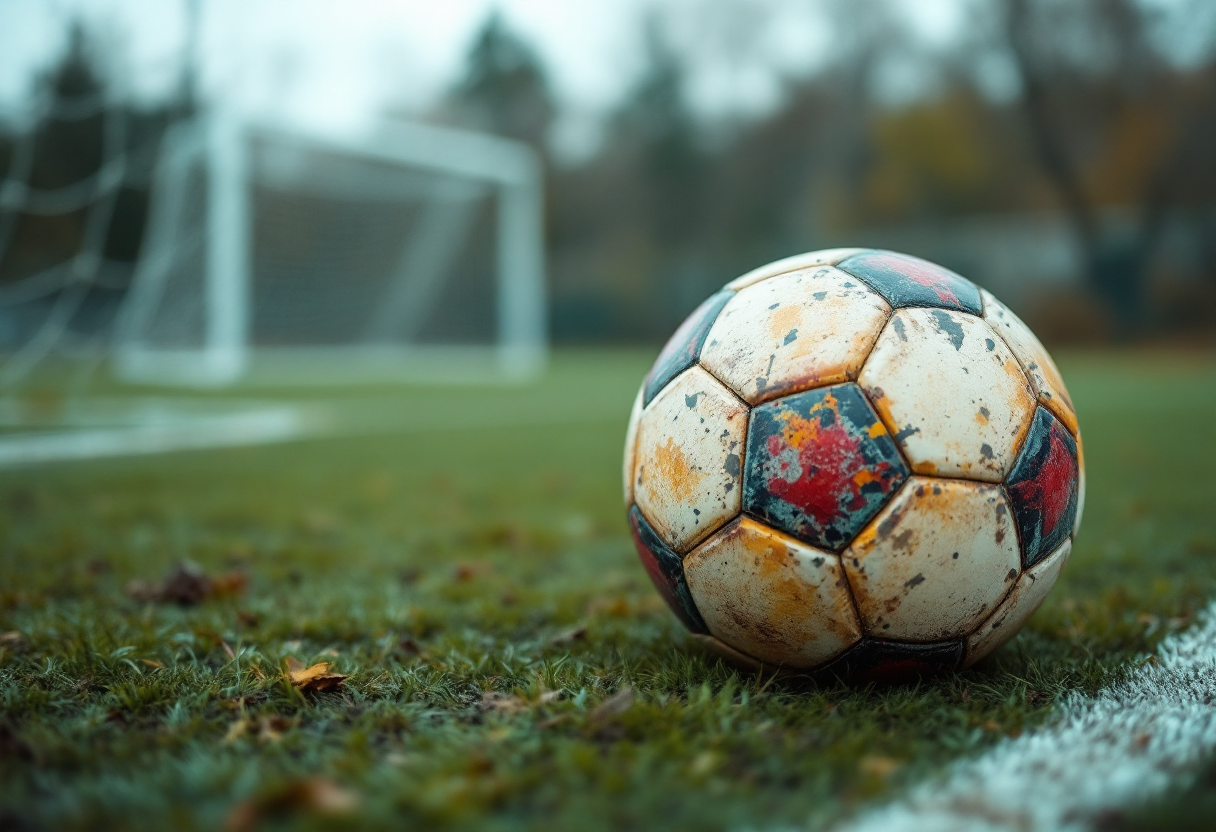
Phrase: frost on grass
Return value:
(1136, 739)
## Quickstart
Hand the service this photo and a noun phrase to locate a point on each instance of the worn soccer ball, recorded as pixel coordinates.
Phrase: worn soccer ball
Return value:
(857, 462)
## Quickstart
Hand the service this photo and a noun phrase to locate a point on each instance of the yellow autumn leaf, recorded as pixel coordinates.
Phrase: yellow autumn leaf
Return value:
(314, 677)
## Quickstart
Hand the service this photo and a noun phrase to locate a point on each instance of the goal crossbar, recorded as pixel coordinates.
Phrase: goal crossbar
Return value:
(470, 166)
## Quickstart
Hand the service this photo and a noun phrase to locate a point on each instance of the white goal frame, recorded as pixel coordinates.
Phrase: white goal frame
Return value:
(509, 169)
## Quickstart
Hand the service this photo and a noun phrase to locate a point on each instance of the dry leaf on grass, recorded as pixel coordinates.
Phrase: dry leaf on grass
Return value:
(266, 728)
(493, 701)
(409, 647)
(574, 634)
(227, 584)
(13, 640)
(186, 585)
(315, 677)
(465, 572)
(249, 700)
(318, 795)
(613, 706)
(614, 607)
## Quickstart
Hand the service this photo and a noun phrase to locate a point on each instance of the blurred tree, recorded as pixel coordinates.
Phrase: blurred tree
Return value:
(656, 130)
(81, 124)
(931, 160)
(505, 89)
(628, 244)
(676, 203)
(1113, 119)
(64, 151)
(659, 140)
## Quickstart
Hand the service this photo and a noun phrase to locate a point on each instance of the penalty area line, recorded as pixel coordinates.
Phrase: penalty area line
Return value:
(250, 427)
(1132, 741)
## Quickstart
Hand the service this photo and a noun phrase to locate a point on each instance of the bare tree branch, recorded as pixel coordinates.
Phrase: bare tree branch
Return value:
(1048, 141)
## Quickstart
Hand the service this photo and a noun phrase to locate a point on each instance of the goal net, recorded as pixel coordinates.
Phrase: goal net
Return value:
(278, 256)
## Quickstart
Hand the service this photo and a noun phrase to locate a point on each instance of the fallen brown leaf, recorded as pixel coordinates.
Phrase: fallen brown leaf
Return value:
(615, 607)
(265, 728)
(318, 795)
(578, 633)
(466, 572)
(186, 585)
(493, 701)
(228, 584)
(408, 646)
(244, 701)
(316, 677)
(613, 706)
(13, 640)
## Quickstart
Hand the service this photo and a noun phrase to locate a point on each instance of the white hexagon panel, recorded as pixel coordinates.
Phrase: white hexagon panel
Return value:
(1021, 603)
(823, 257)
(631, 441)
(771, 596)
(935, 562)
(1076, 521)
(951, 392)
(1044, 375)
(792, 332)
(687, 469)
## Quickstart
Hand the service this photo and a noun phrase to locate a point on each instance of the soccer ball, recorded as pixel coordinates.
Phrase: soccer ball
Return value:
(853, 461)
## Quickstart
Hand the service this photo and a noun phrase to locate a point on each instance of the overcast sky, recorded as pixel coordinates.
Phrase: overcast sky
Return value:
(341, 63)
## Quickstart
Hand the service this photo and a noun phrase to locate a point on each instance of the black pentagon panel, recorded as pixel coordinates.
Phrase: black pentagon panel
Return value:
(684, 347)
(819, 465)
(666, 570)
(903, 280)
(884, 662)
(1043, 487)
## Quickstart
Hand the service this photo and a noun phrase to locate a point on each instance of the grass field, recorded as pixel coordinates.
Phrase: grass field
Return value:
(439, 564)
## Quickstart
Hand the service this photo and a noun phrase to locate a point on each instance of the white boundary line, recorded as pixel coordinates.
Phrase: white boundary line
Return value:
(1129, 743)
(256, 426)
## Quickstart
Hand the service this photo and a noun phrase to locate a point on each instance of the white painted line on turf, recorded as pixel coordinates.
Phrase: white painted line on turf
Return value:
(255, 427)
(261, 426)
(1130, 743)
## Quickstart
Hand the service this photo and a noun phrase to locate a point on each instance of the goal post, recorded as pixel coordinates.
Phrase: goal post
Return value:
(279, 256)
